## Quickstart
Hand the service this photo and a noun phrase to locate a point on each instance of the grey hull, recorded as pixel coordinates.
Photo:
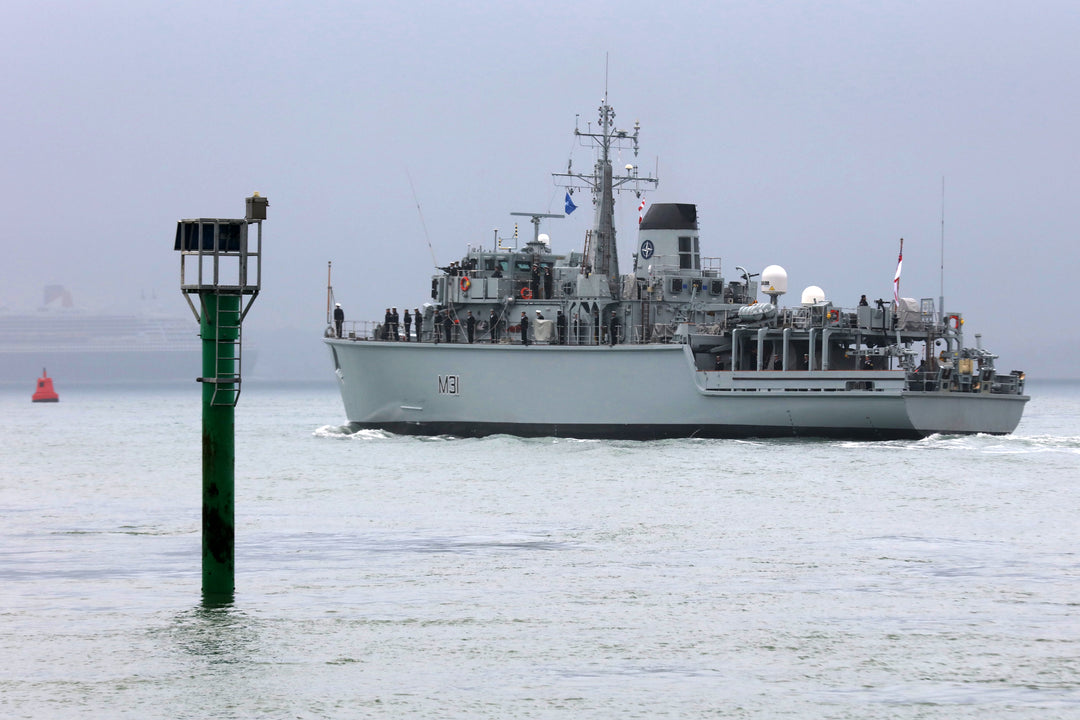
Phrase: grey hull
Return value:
(636, 392)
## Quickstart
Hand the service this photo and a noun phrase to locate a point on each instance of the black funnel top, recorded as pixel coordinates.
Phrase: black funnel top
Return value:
(670, 216)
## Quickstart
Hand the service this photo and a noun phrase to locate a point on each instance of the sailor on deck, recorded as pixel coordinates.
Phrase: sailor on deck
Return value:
(448, 327)
(524, 329)
(339, 317)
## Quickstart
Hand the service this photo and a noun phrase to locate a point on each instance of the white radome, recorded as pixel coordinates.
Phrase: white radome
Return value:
(774, 280)
(813, 295)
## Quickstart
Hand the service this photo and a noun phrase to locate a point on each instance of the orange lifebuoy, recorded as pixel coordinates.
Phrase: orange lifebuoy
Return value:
(465, 284)
(526, 293)
(954, 322)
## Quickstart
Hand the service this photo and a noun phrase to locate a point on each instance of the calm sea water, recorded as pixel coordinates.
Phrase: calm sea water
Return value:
(385, 576)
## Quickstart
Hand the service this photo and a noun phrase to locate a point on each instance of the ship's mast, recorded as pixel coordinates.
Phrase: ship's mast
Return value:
(603, 253)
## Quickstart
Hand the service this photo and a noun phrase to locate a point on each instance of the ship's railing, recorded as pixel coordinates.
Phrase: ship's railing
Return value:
(1011, 384)
(354, 330)
(982, 380)
(922, 381)
(802, 318)
(584, 334)
(375, 331)
(829, 316)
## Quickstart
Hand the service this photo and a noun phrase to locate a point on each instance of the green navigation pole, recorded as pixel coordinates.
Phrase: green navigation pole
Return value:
(221, 251)
(219, 329)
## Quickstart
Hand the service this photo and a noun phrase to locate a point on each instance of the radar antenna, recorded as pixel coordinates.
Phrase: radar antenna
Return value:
(536, 221)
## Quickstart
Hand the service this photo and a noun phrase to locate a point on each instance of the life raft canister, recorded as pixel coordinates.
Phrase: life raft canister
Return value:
(465, 284)
(526, 293)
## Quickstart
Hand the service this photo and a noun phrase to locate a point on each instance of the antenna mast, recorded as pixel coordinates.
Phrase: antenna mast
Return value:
(603, 253)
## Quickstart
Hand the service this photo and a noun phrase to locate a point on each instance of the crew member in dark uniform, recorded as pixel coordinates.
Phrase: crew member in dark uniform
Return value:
(408, 324)
(470, 325)
(613, 329)
(448, 327)
(524, 329)
(560, 326)
(419, 323)
(339, 317)
(395, 321)
(493, 327)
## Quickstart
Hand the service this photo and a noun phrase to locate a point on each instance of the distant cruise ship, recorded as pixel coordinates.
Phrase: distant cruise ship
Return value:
(80, 347)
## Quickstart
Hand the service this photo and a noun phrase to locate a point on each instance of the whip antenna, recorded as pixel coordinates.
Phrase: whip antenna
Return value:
(941, 297)
(420, 212)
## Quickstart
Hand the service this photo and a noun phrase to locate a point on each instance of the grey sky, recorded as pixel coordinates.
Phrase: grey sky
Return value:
(810, 137)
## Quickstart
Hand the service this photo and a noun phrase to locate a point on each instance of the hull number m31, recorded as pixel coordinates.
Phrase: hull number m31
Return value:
(449, 385)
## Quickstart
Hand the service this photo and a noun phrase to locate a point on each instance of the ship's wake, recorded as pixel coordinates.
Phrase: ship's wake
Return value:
(1008, 444)
(344, 432)
(982, 443)
(347, 432)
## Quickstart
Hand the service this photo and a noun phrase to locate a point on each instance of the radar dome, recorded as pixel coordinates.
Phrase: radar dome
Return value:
(813, 295)
(543, 237)
(774, 280)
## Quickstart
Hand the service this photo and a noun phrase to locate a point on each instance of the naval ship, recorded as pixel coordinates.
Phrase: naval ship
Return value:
(528, 342)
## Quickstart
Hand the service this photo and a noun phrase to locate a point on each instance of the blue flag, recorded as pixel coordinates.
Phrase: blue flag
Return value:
(570, 206)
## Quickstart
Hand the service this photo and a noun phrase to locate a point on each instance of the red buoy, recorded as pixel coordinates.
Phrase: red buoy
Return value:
(45, 392)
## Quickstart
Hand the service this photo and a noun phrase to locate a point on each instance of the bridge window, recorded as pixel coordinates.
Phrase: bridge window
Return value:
(688, 253)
